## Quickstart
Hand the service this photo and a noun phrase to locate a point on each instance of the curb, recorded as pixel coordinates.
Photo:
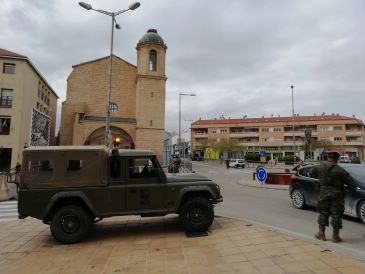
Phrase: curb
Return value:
(276, 187)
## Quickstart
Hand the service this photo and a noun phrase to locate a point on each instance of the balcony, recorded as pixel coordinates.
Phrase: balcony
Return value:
(243, 134)
(200, 134)
(354, 133)
(354, 143)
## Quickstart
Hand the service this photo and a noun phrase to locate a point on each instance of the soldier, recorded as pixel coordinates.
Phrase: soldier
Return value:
(332, 181)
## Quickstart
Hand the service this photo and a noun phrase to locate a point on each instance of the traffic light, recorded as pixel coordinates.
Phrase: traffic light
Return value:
(117, 142)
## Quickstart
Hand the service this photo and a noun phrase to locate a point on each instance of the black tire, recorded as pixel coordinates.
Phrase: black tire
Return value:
(196, 214)
(361, 211)
(298, 199)
(71, 224)
(236, 166)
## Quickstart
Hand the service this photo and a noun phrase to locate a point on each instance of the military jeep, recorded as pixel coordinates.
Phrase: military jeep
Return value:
(71, 187)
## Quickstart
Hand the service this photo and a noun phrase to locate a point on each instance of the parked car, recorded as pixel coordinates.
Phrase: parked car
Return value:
(344, 159)
(303, 192)
(237, 163)
(355, 160)
(72, 187)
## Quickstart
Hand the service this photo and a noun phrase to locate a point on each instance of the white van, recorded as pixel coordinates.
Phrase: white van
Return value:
(344, 159)
(237, 163)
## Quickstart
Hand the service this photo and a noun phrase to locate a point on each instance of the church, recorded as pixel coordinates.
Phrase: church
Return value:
(137, 102)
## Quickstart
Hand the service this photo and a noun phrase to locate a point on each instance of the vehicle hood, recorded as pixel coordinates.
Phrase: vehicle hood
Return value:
(186, 177)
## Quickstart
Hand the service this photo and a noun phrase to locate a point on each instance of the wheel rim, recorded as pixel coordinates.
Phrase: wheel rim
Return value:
(196, 215)
(297, 198)
(70, 224)
(362, 212)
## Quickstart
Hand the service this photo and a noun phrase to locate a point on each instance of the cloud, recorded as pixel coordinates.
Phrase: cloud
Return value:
(239, 57)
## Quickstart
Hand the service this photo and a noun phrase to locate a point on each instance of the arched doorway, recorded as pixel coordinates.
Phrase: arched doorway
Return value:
(98, 137)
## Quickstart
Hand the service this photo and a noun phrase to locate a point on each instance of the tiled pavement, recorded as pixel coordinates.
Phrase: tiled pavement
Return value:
(158, 245)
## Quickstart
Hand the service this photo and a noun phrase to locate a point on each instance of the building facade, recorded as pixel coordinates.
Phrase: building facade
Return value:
(28, 107)
(137, 99)
(275, 135)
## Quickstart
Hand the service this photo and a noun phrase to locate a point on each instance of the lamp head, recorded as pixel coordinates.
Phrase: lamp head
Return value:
(117, 26)
(85, 5)
(133, 6)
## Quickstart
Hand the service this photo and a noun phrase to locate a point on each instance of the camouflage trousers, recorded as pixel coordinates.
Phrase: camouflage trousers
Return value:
(331, 205)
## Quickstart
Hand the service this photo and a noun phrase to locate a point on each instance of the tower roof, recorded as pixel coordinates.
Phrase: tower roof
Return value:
(152, 37)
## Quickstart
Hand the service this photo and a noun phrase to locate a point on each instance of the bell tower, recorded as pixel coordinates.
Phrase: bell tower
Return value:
(150, 92)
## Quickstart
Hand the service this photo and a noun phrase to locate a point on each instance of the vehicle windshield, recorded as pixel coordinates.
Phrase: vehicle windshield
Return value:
(358, 173)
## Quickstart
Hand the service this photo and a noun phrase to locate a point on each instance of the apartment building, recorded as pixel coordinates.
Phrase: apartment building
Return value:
(275, 135)
(28, 106)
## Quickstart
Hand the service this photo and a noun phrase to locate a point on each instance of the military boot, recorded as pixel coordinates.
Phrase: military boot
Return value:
(336, 236)
(321, 235)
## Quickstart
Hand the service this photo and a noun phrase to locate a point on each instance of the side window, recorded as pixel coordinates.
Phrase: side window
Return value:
(115, 168)
(304, 172)
(40, 166)
(141, 167)
(74, 165)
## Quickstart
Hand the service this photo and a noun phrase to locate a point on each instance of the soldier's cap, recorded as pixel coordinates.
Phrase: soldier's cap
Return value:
(333, 155)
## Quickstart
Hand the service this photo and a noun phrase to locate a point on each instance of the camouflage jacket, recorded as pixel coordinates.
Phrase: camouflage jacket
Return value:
(332, 179)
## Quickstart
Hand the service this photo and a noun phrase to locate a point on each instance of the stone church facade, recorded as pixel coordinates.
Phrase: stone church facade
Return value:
(137, 99)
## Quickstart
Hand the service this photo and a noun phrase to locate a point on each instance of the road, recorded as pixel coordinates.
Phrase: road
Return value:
(273, 208)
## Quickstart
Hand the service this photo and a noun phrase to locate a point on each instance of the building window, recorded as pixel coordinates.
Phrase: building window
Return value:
(9, 68)
(74, 165)
(323, 128)
(337, 128)
(153, 60)
(113, 107)
(42, 96)
(338, 139)
(265, 130)
(6, 97)
(5, 125)
(277, 129)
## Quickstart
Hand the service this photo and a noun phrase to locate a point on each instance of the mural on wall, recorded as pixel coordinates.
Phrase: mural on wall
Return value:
(40, 129)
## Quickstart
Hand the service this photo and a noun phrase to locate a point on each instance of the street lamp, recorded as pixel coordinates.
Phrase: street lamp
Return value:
(132, 6)
(182, 94)
(292, 106)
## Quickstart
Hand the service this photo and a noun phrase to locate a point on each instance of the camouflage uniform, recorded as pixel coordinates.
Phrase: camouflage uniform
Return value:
(332, 181)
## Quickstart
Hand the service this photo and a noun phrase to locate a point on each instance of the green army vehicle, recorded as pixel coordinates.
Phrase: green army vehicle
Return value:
(71, 187)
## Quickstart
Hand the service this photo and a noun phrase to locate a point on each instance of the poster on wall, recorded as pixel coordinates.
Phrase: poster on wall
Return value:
(40, 129)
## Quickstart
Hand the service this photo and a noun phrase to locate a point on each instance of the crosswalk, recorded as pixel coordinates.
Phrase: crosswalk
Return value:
(8, 210)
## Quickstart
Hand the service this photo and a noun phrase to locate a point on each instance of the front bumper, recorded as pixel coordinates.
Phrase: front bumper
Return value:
(218, 199)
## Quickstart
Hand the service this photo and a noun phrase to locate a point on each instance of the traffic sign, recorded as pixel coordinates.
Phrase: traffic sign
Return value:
(261, 174)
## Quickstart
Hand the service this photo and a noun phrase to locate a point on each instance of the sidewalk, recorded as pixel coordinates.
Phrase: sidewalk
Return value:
(158, 245)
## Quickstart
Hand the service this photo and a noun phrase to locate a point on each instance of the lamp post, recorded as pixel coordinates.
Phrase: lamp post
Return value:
(292, 106)
(113, 15)
(182, 94)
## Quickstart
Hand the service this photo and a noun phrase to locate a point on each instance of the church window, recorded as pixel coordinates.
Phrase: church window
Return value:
(153, 60)
(113, 107)
(151, 123)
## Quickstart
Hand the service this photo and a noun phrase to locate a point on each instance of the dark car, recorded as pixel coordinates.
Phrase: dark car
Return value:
(303, 191)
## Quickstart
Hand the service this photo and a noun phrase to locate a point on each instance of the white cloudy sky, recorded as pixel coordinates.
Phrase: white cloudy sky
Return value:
(239, 56)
